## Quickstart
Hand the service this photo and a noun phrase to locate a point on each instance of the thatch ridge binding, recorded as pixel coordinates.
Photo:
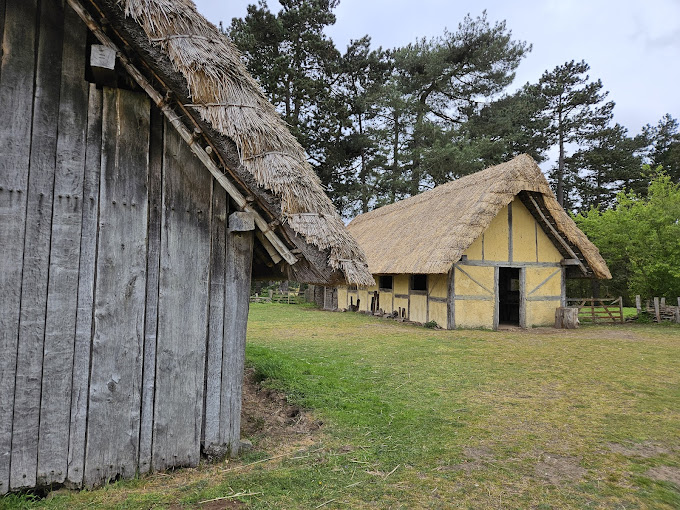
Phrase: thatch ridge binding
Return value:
(435, 227)
(226, 96)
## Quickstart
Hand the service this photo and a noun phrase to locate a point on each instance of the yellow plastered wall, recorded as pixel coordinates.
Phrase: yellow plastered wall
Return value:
(438, 313)
(496, 237)
(343, 300)
(386, 301)
(401, 303)
(542, 313)
(400, 284)
(536, 276)
(466, 286)
(437, 285)
(364, 300)
(523, 233)
(475, 252)
(474, 314)
(418, 311)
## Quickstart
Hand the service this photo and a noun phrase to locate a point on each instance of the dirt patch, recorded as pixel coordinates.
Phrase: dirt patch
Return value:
(557, 469)
(268, 419)
(480, 454)
(665, 474)
(645, 450)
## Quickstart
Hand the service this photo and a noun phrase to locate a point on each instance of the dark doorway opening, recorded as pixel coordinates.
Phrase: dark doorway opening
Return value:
(508, 295)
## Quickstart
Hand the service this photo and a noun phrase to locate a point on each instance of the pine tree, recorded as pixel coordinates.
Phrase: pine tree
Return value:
(575, 107)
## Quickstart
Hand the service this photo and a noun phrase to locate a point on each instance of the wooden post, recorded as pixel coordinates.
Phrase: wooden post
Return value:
(566, 317)
(638, 304)
(663, 302)
(621, 308)
(656, 309)
(239, 266)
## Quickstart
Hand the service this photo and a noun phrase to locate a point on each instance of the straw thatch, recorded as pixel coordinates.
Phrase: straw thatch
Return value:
(225, 95)
(429, 232)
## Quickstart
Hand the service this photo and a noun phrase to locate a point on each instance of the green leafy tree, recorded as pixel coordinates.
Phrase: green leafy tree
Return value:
(575, 107)
(640, 239)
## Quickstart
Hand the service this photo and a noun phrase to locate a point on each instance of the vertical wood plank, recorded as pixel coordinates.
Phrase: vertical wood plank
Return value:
(118, 334)
(62, 292)
(510, 247)
(237, 293)
(450, 299)
(37, 247)
(86, 276)
(152, 270)
(638, 304)
(522, 297)
(213, 386)
(16, 104)
(563, 287)
(496, 272)
(182, 306)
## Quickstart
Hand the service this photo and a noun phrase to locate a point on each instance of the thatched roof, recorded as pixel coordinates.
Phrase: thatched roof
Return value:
(429, 232)
(222, 94)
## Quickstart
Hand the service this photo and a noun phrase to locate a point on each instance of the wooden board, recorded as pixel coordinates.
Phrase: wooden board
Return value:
(88, 259)
(37, 247)
(152, 270)
(118, 333)
(16, 104)
(237, 292)
(60, 321)
(182, 306)
(213, 386)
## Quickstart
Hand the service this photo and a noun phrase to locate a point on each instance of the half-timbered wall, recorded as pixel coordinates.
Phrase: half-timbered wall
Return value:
(468, 297)
(124, 295)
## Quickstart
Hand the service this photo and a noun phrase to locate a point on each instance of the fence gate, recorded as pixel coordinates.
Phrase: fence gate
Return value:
(606, 310)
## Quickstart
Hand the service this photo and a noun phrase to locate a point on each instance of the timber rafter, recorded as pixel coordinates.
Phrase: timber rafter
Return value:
(186, 125)
(574, 258)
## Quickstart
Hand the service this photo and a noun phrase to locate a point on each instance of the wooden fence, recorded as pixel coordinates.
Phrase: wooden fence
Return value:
(291, 298)
(659, 310)
(606, 310)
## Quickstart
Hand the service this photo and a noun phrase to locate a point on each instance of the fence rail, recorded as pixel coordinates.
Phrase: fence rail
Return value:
(606, 310)
(291, 298)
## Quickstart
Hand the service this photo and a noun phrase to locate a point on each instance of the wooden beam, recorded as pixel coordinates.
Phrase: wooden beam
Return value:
(187, 135)
(557, 235)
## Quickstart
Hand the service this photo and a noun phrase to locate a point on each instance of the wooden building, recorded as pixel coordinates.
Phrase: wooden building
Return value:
(143, 179)
(490, 248)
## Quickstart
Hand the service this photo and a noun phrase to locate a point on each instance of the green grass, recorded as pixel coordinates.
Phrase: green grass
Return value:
(421, 418)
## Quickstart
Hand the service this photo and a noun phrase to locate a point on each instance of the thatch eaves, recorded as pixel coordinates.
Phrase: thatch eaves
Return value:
(178, 49)
(429, 232)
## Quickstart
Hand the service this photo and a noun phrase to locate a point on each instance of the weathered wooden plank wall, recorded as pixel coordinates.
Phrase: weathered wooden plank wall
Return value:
(118, 334)
(16, 107)
(62, 292)
(213, 372)
(182, 306)
(88, 261)
(36, 260)
(125, 299)
(152, 270)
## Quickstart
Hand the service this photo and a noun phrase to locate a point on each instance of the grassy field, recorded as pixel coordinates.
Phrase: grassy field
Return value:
(419, 418)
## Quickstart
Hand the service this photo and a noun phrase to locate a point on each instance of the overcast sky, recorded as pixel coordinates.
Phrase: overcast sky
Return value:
(633, 46)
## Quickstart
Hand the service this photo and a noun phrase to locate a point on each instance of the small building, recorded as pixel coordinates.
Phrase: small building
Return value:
(490, 248)
(144, 178)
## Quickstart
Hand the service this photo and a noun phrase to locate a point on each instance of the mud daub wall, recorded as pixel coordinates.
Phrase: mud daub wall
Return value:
(124, 296)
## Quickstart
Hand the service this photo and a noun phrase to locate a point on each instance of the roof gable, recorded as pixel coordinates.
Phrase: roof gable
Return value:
(427, 233)
(179, 51)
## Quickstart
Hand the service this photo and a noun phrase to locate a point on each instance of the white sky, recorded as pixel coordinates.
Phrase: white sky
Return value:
(633, 46)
